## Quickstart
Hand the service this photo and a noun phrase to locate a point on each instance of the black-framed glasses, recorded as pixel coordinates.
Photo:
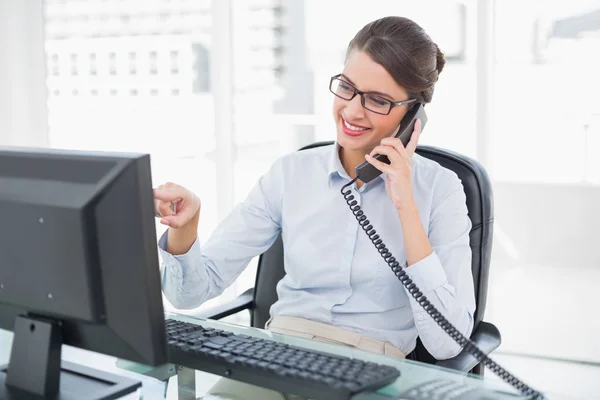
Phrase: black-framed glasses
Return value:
(371, 101)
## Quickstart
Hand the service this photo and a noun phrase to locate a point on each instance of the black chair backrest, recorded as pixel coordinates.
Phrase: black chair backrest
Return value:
(478, 190)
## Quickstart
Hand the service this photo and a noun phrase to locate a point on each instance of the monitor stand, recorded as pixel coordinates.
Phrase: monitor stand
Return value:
(35, 370)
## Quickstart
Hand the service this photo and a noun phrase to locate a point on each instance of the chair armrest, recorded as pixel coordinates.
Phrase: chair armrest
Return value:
(243, 302)
(486, 337)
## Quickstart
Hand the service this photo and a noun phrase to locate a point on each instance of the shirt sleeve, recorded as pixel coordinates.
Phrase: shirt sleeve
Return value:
(445, 276)
(203, 273)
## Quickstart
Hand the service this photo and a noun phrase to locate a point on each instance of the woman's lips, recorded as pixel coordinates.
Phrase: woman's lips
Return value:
(352, 129)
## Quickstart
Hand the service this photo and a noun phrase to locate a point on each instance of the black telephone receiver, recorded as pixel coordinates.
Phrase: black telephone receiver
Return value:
(366, 172)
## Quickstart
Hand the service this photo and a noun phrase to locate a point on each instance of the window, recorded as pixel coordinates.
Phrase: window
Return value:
(553, 65)
(112, 63)
(174, 62)
(153, 61)
(117, 117)
(200, 68)
(54, 66)
(546, 139)
(132, 63)
(73, 59)
(93, 67)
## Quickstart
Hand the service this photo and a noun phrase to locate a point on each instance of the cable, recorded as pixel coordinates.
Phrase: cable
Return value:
(454, 333)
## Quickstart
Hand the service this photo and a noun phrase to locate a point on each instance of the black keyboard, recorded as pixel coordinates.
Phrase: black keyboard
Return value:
(278, 366)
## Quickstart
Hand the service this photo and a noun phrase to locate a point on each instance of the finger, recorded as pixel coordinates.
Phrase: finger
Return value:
(165, 222)
(174, 221)
(165, 208)
(157, 213)
(397, 145)
(383, 167)
(414, 139)
(169, 195)
(388, 151)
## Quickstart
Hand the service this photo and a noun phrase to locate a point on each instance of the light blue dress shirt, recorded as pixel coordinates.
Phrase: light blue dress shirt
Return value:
(334, 274)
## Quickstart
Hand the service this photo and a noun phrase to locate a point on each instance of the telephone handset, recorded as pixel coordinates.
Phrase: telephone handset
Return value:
(366, 172)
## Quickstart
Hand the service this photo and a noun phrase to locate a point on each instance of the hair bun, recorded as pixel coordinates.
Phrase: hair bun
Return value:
(405, 51)
(441, 60)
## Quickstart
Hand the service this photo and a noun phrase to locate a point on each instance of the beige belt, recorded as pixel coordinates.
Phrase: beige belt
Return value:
(328, 333)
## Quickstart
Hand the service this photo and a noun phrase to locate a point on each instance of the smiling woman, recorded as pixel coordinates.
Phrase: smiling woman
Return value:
(391, 62)
(418, 206)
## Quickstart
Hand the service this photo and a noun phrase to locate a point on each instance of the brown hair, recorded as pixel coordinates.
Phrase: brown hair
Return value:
(403, 48)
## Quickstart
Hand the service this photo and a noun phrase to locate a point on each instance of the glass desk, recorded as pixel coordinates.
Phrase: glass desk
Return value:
(173, 382)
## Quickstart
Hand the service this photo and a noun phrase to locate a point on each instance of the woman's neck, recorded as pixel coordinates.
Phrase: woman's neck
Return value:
(351, 159)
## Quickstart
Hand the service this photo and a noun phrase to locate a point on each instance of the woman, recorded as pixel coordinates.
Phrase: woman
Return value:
(336, 285)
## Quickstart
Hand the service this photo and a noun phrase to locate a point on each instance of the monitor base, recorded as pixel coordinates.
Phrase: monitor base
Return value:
(76, 382)
(35, 370)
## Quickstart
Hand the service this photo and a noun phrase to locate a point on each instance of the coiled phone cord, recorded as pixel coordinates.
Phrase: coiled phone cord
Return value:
(400, 273)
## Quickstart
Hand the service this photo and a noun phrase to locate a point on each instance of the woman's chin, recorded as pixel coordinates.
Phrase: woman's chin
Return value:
(351, 142)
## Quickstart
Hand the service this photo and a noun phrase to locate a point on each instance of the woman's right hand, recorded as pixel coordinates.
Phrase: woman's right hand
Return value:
(175, 205)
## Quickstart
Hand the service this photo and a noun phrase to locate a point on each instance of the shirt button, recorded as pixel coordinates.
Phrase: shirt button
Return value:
(421, 317)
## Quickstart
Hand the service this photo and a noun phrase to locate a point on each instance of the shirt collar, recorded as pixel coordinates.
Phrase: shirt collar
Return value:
(335, 167)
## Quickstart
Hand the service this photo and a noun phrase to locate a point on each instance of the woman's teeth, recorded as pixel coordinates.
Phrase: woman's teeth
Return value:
(354, 128)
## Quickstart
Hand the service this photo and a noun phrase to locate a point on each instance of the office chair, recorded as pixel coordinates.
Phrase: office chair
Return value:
(478, 190)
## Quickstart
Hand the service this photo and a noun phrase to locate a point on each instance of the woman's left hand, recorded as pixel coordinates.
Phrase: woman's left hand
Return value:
(398, 183)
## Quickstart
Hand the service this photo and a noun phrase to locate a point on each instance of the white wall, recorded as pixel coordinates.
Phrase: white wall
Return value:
(23, 115)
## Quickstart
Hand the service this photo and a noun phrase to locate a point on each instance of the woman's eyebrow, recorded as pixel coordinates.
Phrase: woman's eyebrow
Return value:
(370, 91)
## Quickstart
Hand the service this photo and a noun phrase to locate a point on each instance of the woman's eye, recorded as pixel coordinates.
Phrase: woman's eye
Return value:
(345, 87)
(378, 101)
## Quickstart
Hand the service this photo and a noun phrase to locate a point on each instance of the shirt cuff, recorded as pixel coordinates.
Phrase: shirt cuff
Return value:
(175, 264)
(428, 274)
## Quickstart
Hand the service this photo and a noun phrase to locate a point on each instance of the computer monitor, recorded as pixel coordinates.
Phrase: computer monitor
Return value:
(78, 266)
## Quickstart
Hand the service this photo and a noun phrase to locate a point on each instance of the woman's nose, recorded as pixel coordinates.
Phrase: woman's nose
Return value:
(354, 108)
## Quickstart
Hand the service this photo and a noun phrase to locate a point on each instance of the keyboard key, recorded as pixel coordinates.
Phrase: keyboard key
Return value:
(263, 364)
(220, 340)
(329, 380)
(212, 345)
